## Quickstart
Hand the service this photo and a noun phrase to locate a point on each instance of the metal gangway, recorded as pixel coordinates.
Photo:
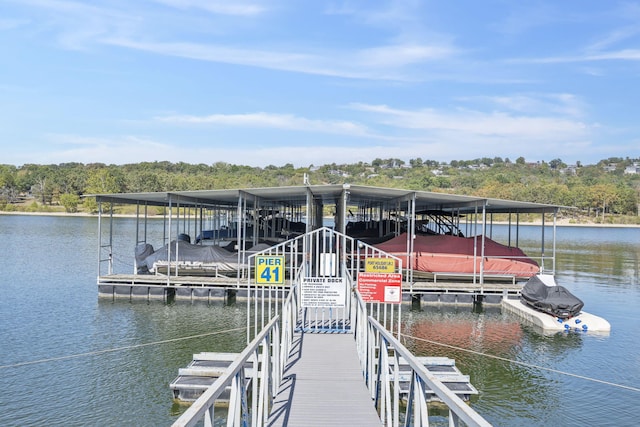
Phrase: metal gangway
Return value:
(322, 352)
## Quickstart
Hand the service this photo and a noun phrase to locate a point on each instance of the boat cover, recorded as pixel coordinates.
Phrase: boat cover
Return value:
(554, 300)
(454, 254)
(208, 256)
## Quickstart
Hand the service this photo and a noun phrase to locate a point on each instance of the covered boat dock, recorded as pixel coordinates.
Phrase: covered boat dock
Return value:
(221, 228)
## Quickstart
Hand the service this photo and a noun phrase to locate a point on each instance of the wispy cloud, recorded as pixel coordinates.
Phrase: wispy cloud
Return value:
(217, 7)
(273, 121)
(619, 44)
(383, 54)
(11, 24)
(396, 56)
(613, 38)
(478, 123)
(119, 149)
(375, 63)
(522, 18)
(619, 55)
(78, 25)
(558, 104)
(78, 142)
(82, 26)
(135, 149)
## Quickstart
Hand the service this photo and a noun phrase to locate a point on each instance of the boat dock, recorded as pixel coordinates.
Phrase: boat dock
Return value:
(206, 367)
(208, 289)
(201, 373)
(166, 288)
(324, 303)
(244, 221)
(320, 357)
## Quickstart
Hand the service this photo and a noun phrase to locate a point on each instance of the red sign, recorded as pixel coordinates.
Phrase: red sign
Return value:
(380, 287)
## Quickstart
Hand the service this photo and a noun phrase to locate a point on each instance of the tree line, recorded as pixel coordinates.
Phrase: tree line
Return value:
(608, 187)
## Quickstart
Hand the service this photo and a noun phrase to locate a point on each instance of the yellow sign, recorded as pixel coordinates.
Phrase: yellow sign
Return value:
(380, 265)
(269, 269)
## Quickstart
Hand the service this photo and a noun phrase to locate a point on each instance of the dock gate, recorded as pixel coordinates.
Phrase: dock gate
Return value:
(323, 345)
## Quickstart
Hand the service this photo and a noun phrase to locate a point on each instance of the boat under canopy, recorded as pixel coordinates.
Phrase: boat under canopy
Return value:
(461, 255)
(241, 219)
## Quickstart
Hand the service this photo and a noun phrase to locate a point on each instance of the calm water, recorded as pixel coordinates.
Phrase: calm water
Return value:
(110, 363)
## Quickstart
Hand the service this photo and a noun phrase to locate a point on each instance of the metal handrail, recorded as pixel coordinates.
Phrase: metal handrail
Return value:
(235, 378)
(275, 340)
(380, 354)
(379, 351)
(350, 260)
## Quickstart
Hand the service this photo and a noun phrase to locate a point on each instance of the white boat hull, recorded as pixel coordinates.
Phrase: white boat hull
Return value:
(583, 322)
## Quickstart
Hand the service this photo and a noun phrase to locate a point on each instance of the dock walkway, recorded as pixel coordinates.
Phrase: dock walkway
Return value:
(309, 395)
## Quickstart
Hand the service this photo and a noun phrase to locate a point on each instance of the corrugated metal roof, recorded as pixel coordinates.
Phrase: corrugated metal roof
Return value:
(357, 195)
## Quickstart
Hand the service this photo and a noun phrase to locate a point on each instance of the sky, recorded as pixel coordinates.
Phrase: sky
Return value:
(275, 82)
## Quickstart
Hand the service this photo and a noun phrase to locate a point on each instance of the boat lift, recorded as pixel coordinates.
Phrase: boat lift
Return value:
(273, 215)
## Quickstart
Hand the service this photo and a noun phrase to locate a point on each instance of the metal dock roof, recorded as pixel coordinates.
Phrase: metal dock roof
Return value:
(358, 195)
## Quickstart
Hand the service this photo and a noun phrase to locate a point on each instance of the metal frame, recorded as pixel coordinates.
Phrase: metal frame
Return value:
(379, 350)
(370, 203)
(302, 255)
(380, 355)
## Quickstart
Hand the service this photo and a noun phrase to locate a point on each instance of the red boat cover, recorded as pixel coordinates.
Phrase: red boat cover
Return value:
(453, 254)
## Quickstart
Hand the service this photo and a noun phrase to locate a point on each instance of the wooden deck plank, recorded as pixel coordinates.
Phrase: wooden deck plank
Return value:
(323, 385)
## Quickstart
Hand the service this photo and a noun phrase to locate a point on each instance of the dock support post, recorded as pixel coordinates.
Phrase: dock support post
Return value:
(415, 302)
(477, 303)
(230, 296)
(169, 295)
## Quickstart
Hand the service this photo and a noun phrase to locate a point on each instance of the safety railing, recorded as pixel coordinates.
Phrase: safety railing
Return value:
(322, 253)
(381, 355)
(264, 353)
(250, 392)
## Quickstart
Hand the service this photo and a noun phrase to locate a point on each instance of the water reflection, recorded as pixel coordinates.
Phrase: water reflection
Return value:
(502, 357)
(461, 326)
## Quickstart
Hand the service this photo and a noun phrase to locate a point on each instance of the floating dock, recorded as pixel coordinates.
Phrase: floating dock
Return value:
(208, 289)
(583, 322)
(445, 370)
(204, 370)
(206, 367)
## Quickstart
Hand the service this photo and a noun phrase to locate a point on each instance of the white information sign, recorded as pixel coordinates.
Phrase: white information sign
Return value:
(323, 292)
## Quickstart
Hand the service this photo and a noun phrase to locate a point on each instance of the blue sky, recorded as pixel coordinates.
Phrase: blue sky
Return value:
(271, 82)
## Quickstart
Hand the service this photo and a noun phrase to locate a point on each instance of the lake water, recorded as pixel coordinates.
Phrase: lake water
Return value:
(69, 358)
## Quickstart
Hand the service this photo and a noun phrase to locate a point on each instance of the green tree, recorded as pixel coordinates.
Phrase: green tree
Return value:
(70, 202)
(102, 180)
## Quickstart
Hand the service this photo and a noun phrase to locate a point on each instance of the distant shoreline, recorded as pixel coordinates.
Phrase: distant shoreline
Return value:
(559, 223)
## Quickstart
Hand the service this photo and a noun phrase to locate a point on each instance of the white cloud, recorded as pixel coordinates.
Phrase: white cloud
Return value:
(396, 56)
(618, 55)
(561, 104)
(522, 18)
(91, 149)
(81, 26)
(11, 24)
(469, 123)
(217, 7)
(614, 37)
(375, 63)
(135, 149)
(269, 120)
